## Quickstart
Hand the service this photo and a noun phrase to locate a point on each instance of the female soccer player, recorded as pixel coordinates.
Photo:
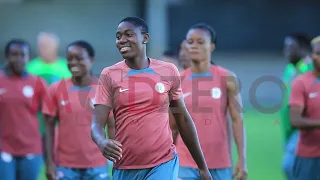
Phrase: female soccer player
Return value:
(139, 90)
(20, 94)
(305, 115)
(210, 91)
(296, 51)
(72, 104)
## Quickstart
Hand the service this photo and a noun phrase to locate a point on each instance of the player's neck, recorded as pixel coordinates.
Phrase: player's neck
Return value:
(50, 60)
(295, 61)
(200, 67)
(82, 81)
(14, 72)
(140, 62)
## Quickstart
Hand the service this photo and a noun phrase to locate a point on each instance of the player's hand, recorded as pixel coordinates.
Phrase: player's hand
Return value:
(51, 172)
(111, 149)
(205, 174)
(241, 171)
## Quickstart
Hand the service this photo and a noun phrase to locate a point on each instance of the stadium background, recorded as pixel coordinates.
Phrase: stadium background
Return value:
(250, 39)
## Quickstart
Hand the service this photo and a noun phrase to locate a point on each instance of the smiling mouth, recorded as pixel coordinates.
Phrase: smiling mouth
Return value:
(75, 69)
(124, 49)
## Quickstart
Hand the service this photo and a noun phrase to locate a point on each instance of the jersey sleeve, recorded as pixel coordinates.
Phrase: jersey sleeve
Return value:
(50, 102)
(104, 91)
(175, 91)
(297, 95)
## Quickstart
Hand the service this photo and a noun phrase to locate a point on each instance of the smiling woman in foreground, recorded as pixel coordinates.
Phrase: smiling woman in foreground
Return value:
(138, 89)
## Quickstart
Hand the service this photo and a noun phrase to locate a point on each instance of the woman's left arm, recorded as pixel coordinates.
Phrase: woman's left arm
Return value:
(235, 110)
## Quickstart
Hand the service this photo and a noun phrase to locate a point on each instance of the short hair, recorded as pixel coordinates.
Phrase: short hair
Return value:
(51, 35)
(138, 22)
(208, 28)
(20, 42)
(84, 44)
(302, 39)
(170, 53)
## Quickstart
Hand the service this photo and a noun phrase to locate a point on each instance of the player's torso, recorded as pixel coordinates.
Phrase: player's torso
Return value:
(140, 100)
(18, 120)
(138, 92)
(75, 102)
(205, 96)
(139, 95)
(309, 144)
(75, 113)
(312, 94)
(18, 93)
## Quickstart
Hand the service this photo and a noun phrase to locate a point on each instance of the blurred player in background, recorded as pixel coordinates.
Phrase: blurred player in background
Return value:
(296, 51)
(48, 65)
(305, 116)
(137, 90)
(171, 57)
(72, 104)
(210, 92)
(20, 97)
(184, 58)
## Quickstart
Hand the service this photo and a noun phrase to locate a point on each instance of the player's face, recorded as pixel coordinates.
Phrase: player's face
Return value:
(17, 57)
(184, 58)
(130, 41)
(291, 49)
(47, 47)
(199, 45)
(79, 61)
(316, 56)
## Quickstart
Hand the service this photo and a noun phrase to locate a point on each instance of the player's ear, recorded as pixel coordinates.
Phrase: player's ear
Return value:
(146, 38)
(212, 47)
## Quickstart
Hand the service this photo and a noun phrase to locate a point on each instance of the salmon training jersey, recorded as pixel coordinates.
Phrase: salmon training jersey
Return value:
(305, 93)
(206, 99)
(73, 107)
(20, 99)
(140, 103)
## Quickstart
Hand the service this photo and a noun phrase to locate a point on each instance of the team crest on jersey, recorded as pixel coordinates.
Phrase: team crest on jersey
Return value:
(27, 91)
(160, 88)
(216, 93)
